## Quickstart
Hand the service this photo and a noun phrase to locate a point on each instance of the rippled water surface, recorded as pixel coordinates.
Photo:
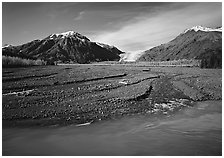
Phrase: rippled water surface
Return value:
(192, 131)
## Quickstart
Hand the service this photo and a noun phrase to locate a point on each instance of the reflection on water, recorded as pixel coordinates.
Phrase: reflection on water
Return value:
(192, 131)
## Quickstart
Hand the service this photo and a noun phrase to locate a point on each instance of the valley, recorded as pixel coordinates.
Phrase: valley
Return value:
(111, 79)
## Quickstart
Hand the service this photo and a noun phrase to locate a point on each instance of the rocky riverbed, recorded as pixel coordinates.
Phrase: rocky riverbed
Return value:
(79, 94)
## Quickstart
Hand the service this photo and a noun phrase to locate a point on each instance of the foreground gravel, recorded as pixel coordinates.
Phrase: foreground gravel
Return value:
(80, 94)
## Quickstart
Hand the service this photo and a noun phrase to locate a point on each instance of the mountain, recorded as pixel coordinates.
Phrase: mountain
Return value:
(110, 48)
(195, 43)
(6, 45)
(67, 47)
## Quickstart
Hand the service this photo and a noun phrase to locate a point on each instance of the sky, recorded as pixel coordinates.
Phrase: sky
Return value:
(130, 26)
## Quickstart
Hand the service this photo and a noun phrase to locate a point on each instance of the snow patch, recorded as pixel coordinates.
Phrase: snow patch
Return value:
(68, 34)
(205, 29)
(104, 45)
(83, 40)
(8, 45)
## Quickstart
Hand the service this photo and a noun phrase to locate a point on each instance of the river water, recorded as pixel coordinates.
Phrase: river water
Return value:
(193, 130)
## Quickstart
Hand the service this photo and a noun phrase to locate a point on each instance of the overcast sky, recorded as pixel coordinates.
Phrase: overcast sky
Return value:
(132, 27)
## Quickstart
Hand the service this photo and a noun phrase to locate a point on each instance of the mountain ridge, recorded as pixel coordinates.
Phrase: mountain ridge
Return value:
(205, 29)
(65, 47)
(195, 43)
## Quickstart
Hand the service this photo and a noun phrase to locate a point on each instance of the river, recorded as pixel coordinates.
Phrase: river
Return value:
(193, 130)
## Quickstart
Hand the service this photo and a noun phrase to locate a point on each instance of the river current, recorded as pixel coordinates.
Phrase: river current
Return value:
(193, 130)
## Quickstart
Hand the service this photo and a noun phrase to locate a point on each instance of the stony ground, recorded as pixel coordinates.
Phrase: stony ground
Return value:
(76, 94)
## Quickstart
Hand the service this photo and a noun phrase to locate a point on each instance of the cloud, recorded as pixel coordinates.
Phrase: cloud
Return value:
(148, 30)
(80, 16)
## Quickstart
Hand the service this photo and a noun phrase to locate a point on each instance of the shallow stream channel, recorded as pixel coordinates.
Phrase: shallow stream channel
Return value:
(195, 130)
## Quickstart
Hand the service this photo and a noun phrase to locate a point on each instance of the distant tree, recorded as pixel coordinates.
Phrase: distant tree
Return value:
(211, 58)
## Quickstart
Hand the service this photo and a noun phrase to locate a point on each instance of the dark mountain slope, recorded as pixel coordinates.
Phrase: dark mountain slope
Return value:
(195, 43)
(68, 47)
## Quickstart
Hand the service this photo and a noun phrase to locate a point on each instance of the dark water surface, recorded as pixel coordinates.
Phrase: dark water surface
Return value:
(191, 131)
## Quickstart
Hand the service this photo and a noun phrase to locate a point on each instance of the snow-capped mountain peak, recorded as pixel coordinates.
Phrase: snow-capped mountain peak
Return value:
(68, 34)
(205, 29)
(63, 34)
(66, 47)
